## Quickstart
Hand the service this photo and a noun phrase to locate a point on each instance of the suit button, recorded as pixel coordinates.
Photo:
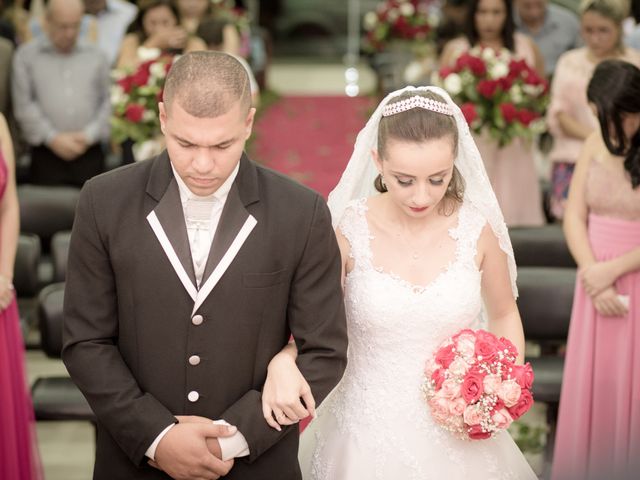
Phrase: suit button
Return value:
(193, 396)
(194, 359)
(197, 320)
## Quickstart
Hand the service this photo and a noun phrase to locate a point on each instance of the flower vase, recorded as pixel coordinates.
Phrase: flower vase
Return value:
(148, 148)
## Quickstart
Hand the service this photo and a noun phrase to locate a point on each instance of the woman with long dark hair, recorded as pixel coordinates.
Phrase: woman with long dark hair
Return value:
(599, 421)
(511, 168)
(156, 29)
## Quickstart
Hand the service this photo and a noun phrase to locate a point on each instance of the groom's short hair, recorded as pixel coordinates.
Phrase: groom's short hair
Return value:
(207, 84)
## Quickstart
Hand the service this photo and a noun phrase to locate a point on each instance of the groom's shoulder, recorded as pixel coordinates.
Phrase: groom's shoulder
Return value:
(279, 187)
(123, 177)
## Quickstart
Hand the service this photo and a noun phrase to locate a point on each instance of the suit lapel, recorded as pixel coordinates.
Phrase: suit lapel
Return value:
(168, 225)
(234, 227)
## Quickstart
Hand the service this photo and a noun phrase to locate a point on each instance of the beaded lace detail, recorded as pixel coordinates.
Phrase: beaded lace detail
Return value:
(376, 418)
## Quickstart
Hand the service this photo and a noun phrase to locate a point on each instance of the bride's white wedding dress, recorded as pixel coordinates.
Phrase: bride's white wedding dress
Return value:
(376, 424)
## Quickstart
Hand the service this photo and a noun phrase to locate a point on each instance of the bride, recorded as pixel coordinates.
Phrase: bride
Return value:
(425, 256)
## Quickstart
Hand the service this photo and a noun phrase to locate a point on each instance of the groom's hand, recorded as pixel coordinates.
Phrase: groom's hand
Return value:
(183, 452)
(212, 443)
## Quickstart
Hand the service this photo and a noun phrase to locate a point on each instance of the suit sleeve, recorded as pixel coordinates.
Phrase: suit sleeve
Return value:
(90, 341)
(317, 321)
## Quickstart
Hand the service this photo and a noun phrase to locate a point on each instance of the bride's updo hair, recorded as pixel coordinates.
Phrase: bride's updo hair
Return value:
(419, 125)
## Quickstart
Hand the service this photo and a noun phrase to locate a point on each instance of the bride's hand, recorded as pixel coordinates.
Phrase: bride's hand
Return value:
(283, 391)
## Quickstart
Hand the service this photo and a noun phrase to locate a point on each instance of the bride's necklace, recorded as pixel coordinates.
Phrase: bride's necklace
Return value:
(414, 252)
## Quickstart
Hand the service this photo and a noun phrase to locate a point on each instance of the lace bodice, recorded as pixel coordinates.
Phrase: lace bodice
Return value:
(394, 327)
(609, 192)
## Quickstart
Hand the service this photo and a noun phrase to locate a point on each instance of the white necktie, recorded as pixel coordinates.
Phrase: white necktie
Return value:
(197, 214)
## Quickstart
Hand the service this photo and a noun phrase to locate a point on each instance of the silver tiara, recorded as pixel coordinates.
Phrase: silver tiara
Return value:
(416, 102)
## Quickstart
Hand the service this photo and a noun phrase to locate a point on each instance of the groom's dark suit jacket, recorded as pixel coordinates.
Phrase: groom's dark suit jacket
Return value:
(133, 316)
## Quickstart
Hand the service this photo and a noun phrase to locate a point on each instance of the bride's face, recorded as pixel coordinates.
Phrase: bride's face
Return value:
(417, 174)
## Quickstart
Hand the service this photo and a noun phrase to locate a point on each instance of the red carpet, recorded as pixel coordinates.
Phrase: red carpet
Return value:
(310, 138)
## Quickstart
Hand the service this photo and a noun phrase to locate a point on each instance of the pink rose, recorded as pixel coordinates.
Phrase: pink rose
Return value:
(445, 355)
(472, 387)
(466, 345)
(457, 407)
(501, 419)
(430, 367)
(439, 408)
(438, 378)
(476, 433)
(509, 392)
(492, 383)
(505, 344)
(472, 415)
(486, 346)
(458, 367)
(523, 405)
(523, 375)
(450, 389)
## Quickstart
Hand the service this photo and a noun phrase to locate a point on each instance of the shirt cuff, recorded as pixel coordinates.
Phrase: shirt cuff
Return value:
(151, 451)
(234, 446)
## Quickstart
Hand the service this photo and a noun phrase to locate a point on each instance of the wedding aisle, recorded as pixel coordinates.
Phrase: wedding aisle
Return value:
(310, 138)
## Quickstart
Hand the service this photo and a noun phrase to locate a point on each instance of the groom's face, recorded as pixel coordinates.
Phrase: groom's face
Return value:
(417, 174)
(204, 151)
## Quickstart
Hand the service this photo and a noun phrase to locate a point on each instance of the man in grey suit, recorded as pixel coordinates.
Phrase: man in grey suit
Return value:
(187, 273)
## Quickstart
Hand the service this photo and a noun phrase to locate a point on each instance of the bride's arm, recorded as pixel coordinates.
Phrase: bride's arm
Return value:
(504, 318)
(285, 389)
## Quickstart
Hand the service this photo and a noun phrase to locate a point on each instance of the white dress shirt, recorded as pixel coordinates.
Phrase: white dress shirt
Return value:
(202, 215)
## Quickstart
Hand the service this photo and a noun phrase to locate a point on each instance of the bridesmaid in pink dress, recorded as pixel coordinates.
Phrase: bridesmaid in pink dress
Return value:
(18, 454)
(598, 434)
(569, 117)
(511, 169)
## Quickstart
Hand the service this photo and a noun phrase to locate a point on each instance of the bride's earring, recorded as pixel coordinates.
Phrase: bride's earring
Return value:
(384, 185)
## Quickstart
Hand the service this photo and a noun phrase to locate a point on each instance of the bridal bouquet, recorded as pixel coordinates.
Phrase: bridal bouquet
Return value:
(473, 386)
(135, 96)
(400, 20)
(497, 93)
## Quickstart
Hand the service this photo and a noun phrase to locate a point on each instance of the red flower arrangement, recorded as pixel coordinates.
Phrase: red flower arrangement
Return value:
(135, 96)
(473, 386)
(497, 93)
(405, 20)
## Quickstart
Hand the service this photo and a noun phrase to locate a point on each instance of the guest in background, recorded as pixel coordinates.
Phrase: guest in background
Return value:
(453, 21)
(553, 28)
(598, 433)
(61, 99)
(569, 117)
(211, 30)
(112, 19)
(632, 38)
(15, 21)
(511, 168)
(19, 458)
(193, 12)
(156, 30)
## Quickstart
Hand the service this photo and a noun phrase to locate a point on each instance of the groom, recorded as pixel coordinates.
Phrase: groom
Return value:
(187, 273)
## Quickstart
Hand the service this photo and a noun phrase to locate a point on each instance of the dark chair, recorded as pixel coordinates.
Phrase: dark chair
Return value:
(25, 270)
(545, 302)
(541, 247)
(26, 279)
(45, 210)
(56, 398)
(60, 254)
